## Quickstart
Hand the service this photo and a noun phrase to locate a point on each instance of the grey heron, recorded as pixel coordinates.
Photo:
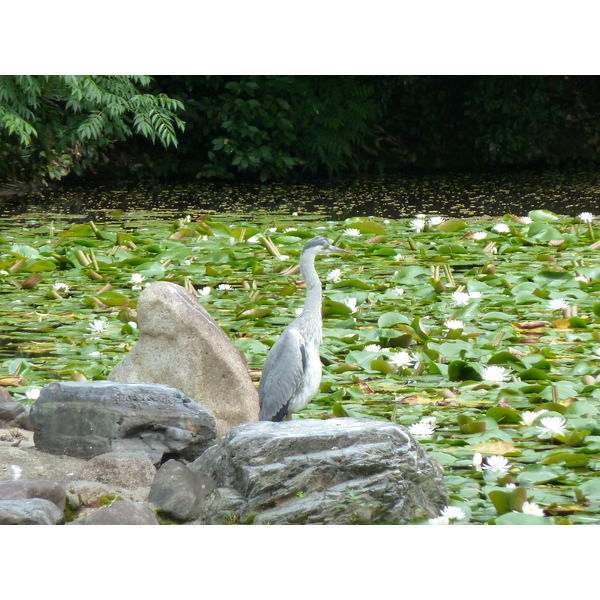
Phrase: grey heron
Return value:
(292, 371)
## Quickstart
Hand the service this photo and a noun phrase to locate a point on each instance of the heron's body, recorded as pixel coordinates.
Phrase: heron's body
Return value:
(292, 371)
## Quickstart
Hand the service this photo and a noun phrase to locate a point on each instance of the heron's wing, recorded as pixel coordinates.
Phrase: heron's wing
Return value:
(283, 375)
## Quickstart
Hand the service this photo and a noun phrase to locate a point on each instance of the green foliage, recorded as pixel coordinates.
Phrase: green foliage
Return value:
(51, 125)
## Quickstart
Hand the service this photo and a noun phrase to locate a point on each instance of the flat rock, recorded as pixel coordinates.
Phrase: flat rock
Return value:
(320, 471)
(120, 512)
(121, 469)
(85, 419)
(31, 511)
(181, 345)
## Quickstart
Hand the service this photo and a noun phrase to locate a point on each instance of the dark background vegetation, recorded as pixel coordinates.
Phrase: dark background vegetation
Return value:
(282, 127)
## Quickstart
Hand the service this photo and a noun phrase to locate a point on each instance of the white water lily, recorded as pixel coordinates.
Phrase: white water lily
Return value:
(501, 228)
(422, 429)
(526, 220)
(582, 278)
(399, 291)
(136, 278)
(205, 291)
(290, 229)
(398, 257)
(551, 427)
(529, 416)
(480, 235)
(283, 257)
(97, 326)
(494, 373)
(418, 224)
(477, 461)
(351, 304)
(454, 324)
(557, 304)
(61, 287)
(453, 513)
(33, 393)
(373, 348)
(439, 521)
(223, 287)
(436, 220)
(460, 298)
(475, 295)
(334, 275)
(588, 217)
(352, 232)
(402, 359)
(132, 324)
(496, 464)
(531, 508)
(254, 239)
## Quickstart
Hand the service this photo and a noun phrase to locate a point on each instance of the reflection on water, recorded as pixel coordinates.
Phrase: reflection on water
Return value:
(458, 195)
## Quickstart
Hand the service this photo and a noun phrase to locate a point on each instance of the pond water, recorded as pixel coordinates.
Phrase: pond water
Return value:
(453, 195)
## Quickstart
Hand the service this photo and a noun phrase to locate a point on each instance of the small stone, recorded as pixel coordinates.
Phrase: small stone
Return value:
(33, 488)
(121, 469)
(178, 492)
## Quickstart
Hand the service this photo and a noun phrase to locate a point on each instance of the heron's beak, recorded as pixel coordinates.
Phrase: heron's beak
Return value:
(334, 249)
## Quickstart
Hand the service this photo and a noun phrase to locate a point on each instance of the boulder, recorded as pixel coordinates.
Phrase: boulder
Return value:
(320, 471)
(31, 511)
(120, 512)
(22, 489)
(85, 419)
(178, 492)
(181, 345)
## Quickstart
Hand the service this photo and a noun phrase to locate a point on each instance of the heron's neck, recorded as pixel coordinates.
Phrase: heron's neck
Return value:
(314, 294)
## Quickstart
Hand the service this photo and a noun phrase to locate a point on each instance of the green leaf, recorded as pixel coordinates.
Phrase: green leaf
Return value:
(536, 474)
(518, 518)
(451, 225)
(544, 216)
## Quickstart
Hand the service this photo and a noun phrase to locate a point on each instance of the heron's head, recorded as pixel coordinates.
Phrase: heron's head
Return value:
(321, 245)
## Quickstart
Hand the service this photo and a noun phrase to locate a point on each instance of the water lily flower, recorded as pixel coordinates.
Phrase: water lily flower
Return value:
(399, 291)
(223, 287)
(439, 521)
(526, 220)
(254, 239)
(398, 257)
(454, 324)
(290, 229)
(475, 295)
(283, 257)
(552, 426)
(496, 464)
(58, 286)
(588, 217)
(453, 513)
(373, 348)
(205, 291)
(33, 393)
(352, 232)
(480, 235)
(132, 324)
(460, 298)
(501, 228)
(422, 429)
(510, 486)
(334, 275)
(558, 304)
(436, 220)
(477, 460)
(97, 326)
(351, 304)
(529, 416)
(418, 224)
(531, 508)
(494, 373)
(136, 279)
(402, 359)
(582, 278)
(272, 229)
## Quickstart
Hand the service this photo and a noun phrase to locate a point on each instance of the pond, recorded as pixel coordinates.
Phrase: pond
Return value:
(477, 326)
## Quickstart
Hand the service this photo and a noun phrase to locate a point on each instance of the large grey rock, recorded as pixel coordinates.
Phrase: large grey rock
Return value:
(85, 419)
(120, 512)
(181, 345)
(22, 489)
(311, 471)
(178, 492)
(31, 511)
